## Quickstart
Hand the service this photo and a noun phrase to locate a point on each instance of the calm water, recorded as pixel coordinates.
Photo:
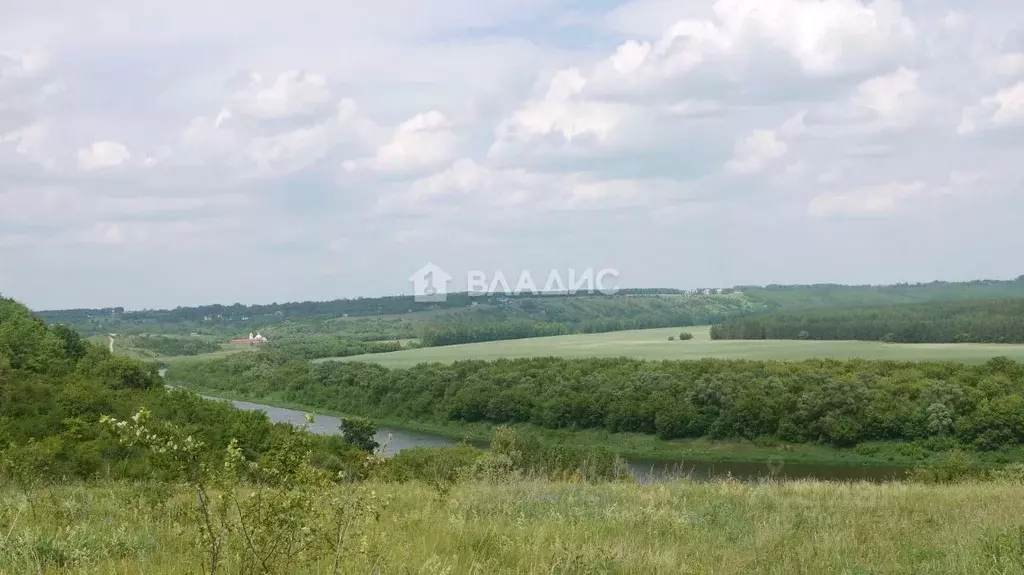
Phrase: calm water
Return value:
(395, 440)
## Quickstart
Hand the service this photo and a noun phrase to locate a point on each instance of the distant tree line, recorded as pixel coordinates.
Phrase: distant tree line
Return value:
(320, 346)
(841, 403)
(800, 297)
(454, 334)
(579, 316)
(172, 346)
(985, 321)
(435, 335)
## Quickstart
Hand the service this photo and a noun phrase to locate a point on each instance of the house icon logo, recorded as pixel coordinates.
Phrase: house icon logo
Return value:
(430, 284)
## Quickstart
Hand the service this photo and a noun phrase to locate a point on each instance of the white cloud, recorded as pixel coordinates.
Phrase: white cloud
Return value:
(870, 200)
(103, 154)
(28, 141)
(823, 38)
(762, 147)
(23, 63)
(635, 117)
(1003, 109)
(291, 93)
(895, 98)
(561, 113)
(756, 151)
(423, 141)
(254, 151)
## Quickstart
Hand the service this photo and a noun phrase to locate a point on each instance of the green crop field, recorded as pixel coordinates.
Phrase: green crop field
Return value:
(654, 344)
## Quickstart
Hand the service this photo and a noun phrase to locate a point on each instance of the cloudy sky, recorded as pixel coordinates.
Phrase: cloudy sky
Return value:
(155, 153)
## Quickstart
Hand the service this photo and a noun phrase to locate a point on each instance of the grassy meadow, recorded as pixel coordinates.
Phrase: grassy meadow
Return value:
(653, 344)
(539, 527)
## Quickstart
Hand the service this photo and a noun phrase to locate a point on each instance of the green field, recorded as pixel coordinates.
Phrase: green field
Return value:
(653, 344)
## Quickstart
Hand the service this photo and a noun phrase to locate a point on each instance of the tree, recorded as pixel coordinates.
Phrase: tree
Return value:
(359, 432)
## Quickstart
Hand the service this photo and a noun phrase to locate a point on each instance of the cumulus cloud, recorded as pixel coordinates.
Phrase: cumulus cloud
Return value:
(28, 141)
(561, 115)
(291, 93)
(1002, 109)
(253, 150)
(754, 152)
(824, 38)
(423, 141)
(103, 154)
(23, 63)
(896, 99)
(305, 129)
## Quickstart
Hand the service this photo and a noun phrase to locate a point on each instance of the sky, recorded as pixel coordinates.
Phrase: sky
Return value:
(156, 154)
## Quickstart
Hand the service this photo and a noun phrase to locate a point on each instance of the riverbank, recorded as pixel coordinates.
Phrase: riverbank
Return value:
(549, 527)
(647, 448)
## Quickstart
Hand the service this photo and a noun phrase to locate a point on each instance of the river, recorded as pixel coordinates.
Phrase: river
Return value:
(395, 440)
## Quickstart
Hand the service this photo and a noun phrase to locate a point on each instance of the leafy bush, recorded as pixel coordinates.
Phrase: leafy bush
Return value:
(359, 433)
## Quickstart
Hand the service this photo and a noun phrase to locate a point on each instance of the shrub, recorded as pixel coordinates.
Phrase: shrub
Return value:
(360, 433)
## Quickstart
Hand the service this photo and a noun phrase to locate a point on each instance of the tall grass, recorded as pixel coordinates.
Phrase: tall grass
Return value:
(536, 526)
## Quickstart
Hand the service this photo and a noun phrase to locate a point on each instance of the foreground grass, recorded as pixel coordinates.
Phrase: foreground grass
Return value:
(654, 344)
(542, 527)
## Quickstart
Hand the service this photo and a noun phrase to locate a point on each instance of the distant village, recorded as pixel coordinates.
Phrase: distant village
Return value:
(252, 339)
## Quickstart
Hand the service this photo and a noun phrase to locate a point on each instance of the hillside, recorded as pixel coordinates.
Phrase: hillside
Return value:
(55, 387)
(398, 317)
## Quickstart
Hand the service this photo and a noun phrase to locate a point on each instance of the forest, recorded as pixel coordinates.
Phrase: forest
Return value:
(55, 387)
(320, 345)
(839, 403)
(981, 321)
(171, 345)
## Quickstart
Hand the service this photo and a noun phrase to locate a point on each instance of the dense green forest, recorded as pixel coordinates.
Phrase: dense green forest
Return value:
(319, 346)
(55, 386)
(842, 403)
(170, 345)
(983, 321)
